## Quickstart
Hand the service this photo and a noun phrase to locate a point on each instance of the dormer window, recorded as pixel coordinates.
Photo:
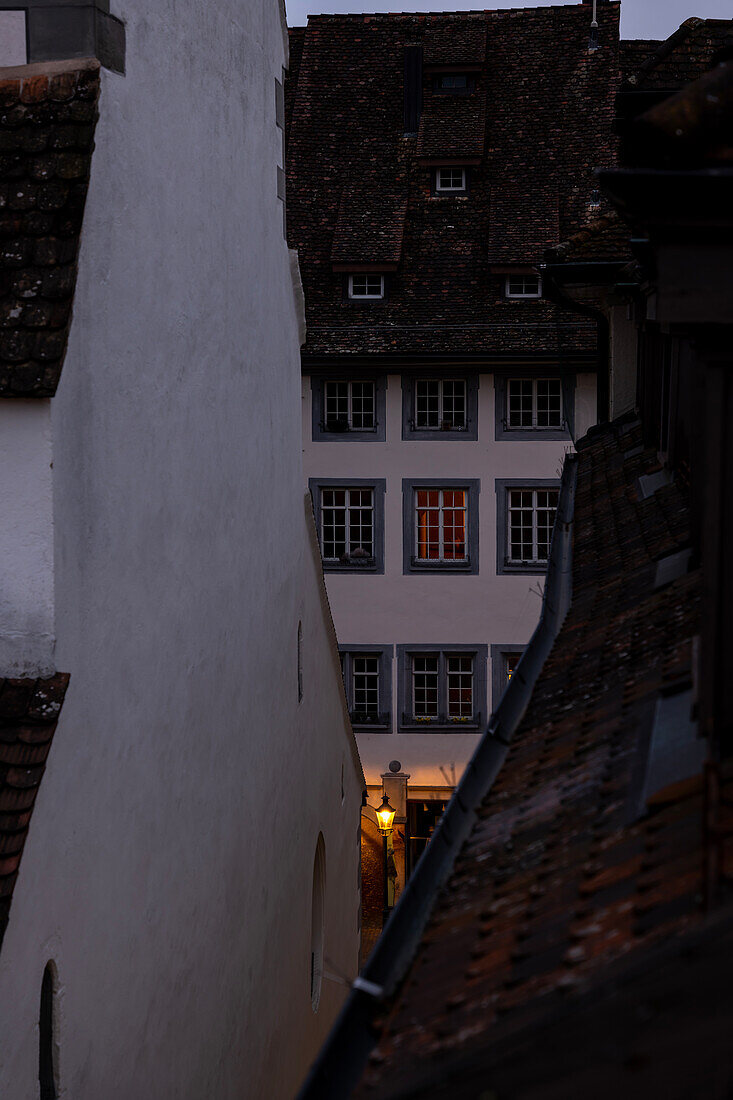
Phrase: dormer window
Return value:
(453, 83)
(523, 286)
(450, 181)
(366, 287)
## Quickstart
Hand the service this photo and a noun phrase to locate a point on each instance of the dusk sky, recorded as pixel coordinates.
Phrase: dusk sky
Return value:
(639, 18)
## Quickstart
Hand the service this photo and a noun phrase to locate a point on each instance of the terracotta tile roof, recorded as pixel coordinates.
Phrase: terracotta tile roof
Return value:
(29, 711)
(371, 221)
(633, 52)
(685, 55)
(605, 238)
(567, 876)
(541, 130)
(452, 127)
(48, 113)
(457, 39)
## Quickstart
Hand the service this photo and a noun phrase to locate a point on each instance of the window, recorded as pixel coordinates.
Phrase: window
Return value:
(450, 180)
(348, 406)
(534, 407)
(350, 523)
(442, 687)
(504, 660)
(422, 819)
(348, 409)
(523, 286)
(440, 525)
(436, 408)
(525, 521)
(367, 671)
(453, 83)
(534, 403)
(366, 286)
(440, 404)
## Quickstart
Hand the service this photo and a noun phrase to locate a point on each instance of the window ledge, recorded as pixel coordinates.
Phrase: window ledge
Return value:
(441, 724)
(537, 567)
(420, 566)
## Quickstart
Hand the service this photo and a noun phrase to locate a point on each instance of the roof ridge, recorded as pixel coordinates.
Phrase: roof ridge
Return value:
(665, 49)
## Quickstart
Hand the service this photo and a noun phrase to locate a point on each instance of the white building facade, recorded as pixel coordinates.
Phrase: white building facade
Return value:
(186, 912)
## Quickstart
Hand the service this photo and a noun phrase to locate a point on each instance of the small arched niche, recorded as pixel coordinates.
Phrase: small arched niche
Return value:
(318, 919)
(47, 1034)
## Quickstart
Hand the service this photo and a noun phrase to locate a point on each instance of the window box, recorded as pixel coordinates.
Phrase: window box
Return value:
(438, 407)
(534, 405)
(526, 511)
(440, 525)
(442, 689)
(348, 409)
(349, 515)
(367, 672)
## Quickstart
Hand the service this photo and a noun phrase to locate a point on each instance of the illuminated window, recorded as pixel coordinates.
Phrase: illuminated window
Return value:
(440, 525)
(523, 286)
(534, 403)
(511, 660)
(366, 286)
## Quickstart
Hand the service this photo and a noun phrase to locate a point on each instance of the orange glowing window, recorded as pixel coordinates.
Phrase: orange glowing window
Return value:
(441, 524)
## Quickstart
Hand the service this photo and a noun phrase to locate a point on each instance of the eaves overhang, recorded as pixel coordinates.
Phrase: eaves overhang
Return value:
(402, 362)
(680, 203)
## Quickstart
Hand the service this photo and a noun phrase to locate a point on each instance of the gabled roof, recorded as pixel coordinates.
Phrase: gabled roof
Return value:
(586, 855)
(48, 112)
(684, 56)
(531, 132)
(29, 711)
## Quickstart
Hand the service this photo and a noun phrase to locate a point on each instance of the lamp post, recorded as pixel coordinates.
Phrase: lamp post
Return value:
(385, 817)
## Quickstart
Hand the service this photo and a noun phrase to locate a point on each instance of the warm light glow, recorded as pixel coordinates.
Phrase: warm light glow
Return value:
(385, 817)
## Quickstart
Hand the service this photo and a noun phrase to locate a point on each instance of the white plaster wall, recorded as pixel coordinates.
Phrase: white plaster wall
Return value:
(432, 608)
(168, 869)
(26, 539)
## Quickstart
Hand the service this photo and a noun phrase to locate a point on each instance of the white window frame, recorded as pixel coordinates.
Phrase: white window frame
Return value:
(515, 278)
(441, 410)
(437, 674)
(347, 526)
(534, 560)
(441, 559)
(367, 296)
(534, 426)
(350, 383)
(440, 190)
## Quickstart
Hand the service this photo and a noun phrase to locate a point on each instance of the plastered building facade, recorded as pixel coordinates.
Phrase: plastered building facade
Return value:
(188, 894)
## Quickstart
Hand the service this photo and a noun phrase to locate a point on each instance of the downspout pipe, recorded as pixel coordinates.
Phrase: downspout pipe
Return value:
(341, 1061)
(552, 290)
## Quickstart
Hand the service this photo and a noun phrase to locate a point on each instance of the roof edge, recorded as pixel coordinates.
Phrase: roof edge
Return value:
(341, 1060)
(48, 68)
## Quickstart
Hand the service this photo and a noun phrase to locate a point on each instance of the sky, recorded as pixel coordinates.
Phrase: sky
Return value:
(639, 18)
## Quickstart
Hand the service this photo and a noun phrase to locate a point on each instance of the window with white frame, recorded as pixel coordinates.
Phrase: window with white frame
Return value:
(442, 687)
(366, 286)
(347, 524)
(523, 286)
(530, 519)
(534, 403)
(367, 672)
(440, 404)
(349, 406)
(449, 180)
(441, 517)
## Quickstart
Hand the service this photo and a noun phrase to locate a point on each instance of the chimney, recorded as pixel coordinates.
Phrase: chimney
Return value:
(413, 88)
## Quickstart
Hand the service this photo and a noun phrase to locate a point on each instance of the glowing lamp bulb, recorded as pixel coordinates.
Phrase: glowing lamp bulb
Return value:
(385, 816)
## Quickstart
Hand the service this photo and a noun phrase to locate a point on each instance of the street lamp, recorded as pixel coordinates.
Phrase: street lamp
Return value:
(385, 818)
